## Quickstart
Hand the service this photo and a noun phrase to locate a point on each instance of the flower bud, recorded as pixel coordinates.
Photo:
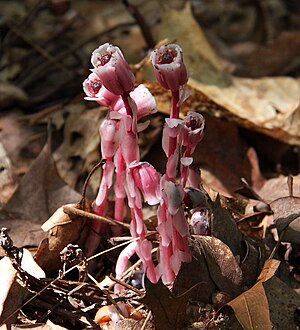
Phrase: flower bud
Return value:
(147, 180)
(112, 69)
(199, 224)
(169, 68)
(192, 130)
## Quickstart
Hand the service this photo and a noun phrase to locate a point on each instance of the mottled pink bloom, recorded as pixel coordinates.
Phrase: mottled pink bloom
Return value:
(112, 69)
(169, 68)
(192, 130)
(92, 85)
(145, 102)
(95, 91)
(147, 180)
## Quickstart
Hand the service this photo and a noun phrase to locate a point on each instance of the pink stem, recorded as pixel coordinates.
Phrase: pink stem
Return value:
(125, 97)
(119, 192)
(185, 169)
(173, 140)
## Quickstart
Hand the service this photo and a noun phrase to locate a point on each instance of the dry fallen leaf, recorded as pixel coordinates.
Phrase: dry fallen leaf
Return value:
(213, 268)
(249, 313)
(224, 227)
(287, 214)
(7, 182)
(168, 310)
(11, 94)
(12, 293)
(40, 192)
(283, 302)
(62, 229)
(80, 148)
(267, 105)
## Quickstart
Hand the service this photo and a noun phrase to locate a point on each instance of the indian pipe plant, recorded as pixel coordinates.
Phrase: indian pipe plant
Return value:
(112, 84)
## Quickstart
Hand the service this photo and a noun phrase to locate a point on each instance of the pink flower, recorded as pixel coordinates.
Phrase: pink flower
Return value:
(112, 69)
(95, 91)
(169, 68)
(147, 180)
(192, 130)
(144, 100)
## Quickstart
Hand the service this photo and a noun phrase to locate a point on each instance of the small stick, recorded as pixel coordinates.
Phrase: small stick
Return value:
(127, 286)
(146, 320)
(290, 183)
(91, 216)
(108, 296)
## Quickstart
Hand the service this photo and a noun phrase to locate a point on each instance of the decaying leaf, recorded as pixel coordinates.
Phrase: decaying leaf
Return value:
(287, 214)
(80, 147)
(168, 310)
(252, 261)
(41, 191)
(11, 94)
(222, 265)
(62, 229)
(224, 227)
(267, 105)
(7, 183)
(283, 302)
(214, 268)
(12, 294)
(250, 313)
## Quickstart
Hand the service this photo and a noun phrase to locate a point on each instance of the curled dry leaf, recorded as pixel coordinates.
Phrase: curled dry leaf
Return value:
(253, 260)
(222, 265)
(62, 229)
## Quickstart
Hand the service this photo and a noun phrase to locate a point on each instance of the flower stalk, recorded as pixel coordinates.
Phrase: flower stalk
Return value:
(112, 85)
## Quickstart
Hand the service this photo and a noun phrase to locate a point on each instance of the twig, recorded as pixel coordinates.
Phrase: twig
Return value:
(143, 327)
(58, 279)
(127, 286)
(91, 216)
(133, 10)
(40, 50)
(109, 297)
(98, 165)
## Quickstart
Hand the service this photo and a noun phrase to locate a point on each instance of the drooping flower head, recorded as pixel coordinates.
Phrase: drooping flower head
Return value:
(169, 68)
(145, 102)
(112, 69)
(147, 179)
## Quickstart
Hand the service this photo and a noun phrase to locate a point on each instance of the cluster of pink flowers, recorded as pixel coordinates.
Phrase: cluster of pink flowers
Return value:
(112, 84)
